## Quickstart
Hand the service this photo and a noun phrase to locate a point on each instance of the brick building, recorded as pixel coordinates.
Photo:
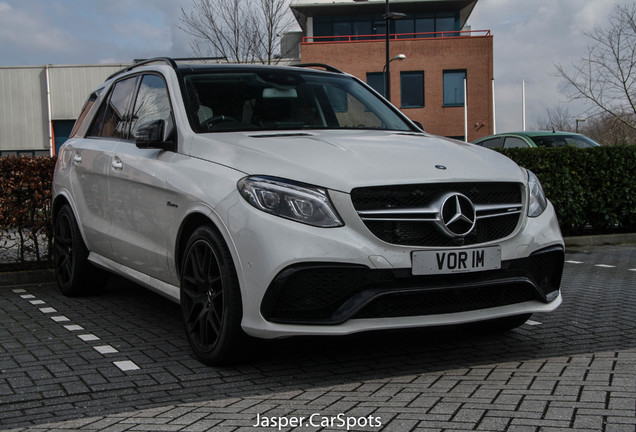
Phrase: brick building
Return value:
(439, 51)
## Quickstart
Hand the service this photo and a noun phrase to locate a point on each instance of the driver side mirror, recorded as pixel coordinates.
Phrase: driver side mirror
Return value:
(151, 135)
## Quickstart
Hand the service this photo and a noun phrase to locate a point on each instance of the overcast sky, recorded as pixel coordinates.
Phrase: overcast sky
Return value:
(530, 36)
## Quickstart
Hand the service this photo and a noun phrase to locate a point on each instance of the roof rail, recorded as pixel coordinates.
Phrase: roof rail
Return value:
(167, 60)
(322, 65)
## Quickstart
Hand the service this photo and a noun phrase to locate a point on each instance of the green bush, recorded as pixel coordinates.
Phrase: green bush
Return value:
(593, 190)
(25, 210)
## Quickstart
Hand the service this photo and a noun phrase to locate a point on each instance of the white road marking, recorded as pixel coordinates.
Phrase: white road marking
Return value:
(126, 365)
(105, 349)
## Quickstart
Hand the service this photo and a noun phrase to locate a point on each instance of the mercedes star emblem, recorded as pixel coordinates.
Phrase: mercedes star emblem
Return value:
(457, 215)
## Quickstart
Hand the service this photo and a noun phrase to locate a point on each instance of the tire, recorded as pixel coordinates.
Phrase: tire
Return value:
(72, 268)
(211, 307)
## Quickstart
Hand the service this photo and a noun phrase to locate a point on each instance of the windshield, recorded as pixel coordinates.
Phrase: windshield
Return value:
(579, 141)
(281, 99)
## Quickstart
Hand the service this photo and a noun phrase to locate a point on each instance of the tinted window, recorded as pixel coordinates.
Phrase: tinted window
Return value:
(578, 141)
(491, 143)
(85, 109)
(412, 89)
(111, 120)
(152, 104)
(454, 87)
(277, 100)
(514, 142)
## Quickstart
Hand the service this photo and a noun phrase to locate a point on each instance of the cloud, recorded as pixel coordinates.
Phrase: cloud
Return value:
(78, 31)
(530, 37)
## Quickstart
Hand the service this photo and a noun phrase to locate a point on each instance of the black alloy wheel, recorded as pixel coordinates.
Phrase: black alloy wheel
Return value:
(210, 298)
(70, 254)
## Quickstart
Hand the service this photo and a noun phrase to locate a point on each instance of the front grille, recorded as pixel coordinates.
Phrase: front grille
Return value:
(407, 214)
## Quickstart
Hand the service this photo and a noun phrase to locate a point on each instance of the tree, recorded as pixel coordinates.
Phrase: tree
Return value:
(241, 31)
(606, 76)
(559, 119)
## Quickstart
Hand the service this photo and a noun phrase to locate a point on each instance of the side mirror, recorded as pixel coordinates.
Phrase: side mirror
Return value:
(151, 135)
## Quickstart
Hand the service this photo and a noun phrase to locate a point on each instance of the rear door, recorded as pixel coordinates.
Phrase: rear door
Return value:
(91, 159)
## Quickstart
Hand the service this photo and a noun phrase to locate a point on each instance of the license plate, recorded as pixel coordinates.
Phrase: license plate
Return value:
(456, 261)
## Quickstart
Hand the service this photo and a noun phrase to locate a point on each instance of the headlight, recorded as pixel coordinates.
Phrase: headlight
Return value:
(290, 200)
(538, 202)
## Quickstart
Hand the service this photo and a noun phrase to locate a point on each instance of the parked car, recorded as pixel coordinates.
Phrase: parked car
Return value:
(536, 139)
(281, 201)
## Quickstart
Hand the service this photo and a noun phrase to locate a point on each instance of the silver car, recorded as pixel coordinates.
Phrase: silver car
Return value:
(280, 201)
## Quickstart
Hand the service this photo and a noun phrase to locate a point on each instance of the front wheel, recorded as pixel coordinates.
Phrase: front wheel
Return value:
(210, 298)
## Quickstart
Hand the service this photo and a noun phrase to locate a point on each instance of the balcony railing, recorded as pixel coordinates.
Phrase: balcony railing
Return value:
(396, 36)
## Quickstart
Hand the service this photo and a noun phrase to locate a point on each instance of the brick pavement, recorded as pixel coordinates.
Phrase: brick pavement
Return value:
(574, 369)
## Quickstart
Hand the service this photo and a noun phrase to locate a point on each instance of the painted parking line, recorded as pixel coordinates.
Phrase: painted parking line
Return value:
(600, 265)
(123, 365)
(533, 323)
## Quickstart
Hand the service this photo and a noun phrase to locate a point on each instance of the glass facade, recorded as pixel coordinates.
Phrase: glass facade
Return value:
(419, 25)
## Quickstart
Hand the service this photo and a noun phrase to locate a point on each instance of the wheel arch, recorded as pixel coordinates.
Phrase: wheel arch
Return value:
(193, 221)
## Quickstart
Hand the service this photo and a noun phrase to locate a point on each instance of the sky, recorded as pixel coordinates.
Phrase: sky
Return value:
(530, 37)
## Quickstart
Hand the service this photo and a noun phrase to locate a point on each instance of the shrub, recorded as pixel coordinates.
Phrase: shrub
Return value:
(593, 190)
(25, 209)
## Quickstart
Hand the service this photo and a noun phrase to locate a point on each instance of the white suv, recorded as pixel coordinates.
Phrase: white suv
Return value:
(279, 201)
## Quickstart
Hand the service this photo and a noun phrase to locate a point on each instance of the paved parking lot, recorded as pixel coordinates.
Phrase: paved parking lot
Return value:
(118, 361)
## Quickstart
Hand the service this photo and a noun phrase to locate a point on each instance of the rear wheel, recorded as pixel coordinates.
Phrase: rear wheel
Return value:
(210, 299)
(72, 269)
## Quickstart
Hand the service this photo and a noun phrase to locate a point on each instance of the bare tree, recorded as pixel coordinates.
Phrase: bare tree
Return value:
(241, 31)
(559, 118)
(606, 77)
(607, 130)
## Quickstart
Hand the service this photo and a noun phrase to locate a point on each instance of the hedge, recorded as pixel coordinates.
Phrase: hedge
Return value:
(25, 211)
(593, 190)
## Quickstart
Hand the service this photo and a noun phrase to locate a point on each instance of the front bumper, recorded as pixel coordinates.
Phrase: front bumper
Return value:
(358, 274)
(328, 294)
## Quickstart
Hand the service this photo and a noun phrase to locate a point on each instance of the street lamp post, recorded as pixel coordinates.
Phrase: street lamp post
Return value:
(388, 16)
(579, 120)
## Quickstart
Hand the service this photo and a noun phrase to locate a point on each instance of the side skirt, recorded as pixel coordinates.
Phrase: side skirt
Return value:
(164, 289)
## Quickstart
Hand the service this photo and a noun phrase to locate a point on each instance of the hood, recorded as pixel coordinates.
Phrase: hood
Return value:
(345, 159)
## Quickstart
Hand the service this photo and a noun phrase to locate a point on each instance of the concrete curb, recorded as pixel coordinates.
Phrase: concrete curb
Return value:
(26, 277)
(601, 240)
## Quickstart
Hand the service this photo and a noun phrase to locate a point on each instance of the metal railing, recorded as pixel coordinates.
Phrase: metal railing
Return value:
(396, 36)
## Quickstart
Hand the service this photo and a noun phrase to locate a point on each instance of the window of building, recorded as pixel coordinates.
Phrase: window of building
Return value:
(412, 89)
(376, 81)
(370, 25)
(454, 87)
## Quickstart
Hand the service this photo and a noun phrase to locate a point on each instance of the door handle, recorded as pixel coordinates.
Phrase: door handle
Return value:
(117, 164)
(77, 158)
